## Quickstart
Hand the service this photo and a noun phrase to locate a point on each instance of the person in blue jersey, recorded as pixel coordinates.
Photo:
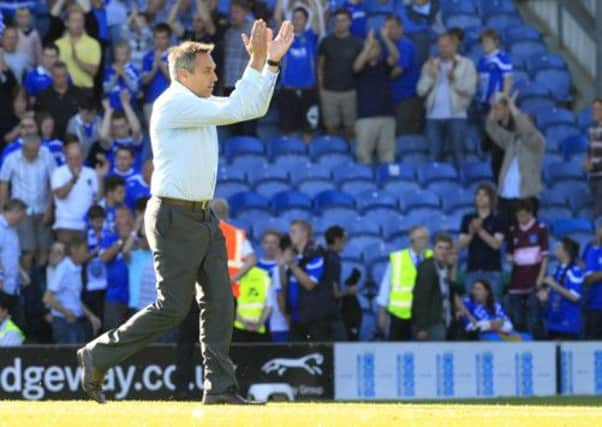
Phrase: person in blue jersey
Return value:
(120, 129)
(123, 163)
(138, 186)
(297, 95)
(421, 19)
(563, 293)
(120, 76)
(303, 285)
(54, 145)
(95, 269)
(114, 187)
(404, 79)
(357, 9)
(285, 9)
(271, 262)
(592, 258)
(495, 75)
(86, 124)
(155, 74)
(39, 78)
(481, 314)
(115, 250)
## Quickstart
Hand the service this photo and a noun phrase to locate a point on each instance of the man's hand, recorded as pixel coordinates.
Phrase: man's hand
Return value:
(512, 103)
(278, 47)
(70, 316)
(256, 44)
(124, 97)
(106, 104)
(433, 67)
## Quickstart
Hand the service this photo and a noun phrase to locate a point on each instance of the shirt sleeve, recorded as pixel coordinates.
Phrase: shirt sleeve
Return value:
(505, 64)
(591, 266)
(543, 234)
(59, 178)
(7, 169)
(385, 288)
(315, 269)
(249, 100)
(574, 281)
(54, 284)
(246, 249)
(107, 241)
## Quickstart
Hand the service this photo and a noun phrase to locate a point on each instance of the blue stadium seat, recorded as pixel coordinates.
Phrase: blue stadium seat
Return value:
(407, 144)
(567, 189)
(268, 173)
(290, 162)
(331, 160)
(441, 188)
(248, 201)
(580, 198)
(240, 145)
(414, 200)
(269, 188)
(563, 172)
(378, 6)
(545, 61)
(457, 199)
(227, 173)
(382, 218)
(463, 20)
(492, 7)
(563, 227)
(472, 172)
(400, 187)
(438, 221)
(333, 199)
(345, 221)
(376, 252)
(536, 105)
(352, 172)
(341, 216)
(557, 116)
(521, 77)
(549, 215)
(371, 200)
(286, 145)
(556, 134)
(324, 144)
(378, 268)
(291, 199)
(227, 189)
(553, 199)
(549, 159)
(523, 33)
(451, 7)
(418, 159)
(395, 172)
(312, 187)
(527, 48)
(531, 89)
(501, 21)
(574, 145)
(398, 226)
(437, 172)
(559, 83)
(356, 187)
(587, 213)
(364, 241)
(269, 223)
(585, 118)
(309, 171)
(353, 252)
(292, 214)
(362, 227)
(375, 22)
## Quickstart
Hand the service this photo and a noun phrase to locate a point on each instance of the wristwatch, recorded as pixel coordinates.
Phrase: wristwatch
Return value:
(273, 63)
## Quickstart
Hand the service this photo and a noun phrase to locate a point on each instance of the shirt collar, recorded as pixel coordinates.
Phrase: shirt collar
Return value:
(527, 225)
(494, 53)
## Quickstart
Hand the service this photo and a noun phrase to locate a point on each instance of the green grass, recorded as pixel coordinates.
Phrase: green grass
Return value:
(569, 412)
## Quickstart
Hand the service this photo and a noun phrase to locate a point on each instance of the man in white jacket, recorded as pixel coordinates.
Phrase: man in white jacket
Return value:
(448, 82)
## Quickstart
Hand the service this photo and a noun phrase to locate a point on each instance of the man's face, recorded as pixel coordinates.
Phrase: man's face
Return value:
(441, 252)
(446, 47)
(87, 116)
(31, 150)
(488, 44)
(161, 40)
(28, 126)
(420, 239)
(75, 23)
(202, 80)
(523, 217)
(49, 57)
(298, 235)
(60, 77)
(342, 23)
(118, 194)
(97, 222)
(47, 127)
(23, 18)
(73, 155)
(79, 254)
(482, 200)
(147, 170)
(9, 40)
(237, 15)
(120, 128)
(198, 25)
(270, 244)
(57, 253)
(597, 111)
(123, 221)
(15, 216)
(122, 54)
(393, 28)
(123, 160)
(299, 22)
(501, 112)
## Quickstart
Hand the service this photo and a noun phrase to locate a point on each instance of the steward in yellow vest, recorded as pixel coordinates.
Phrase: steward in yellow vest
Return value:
(253, 307)
(10, 334)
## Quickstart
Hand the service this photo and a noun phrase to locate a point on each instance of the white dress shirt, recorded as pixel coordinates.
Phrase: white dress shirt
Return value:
(184, 136)
(71, 211)
(65, 282)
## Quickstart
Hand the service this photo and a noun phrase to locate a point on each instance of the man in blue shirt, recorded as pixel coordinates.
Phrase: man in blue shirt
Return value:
(303, 287)
(593, 280)
(298, 95)
(123, 163)
(404, 79)
(120, 129)
(120, 76)
(155, 73)
(138, 186)
(114, 195)
(39, 78)
(357, 9)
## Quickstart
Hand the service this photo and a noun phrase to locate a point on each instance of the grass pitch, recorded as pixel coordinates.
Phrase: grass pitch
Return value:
(511, 413)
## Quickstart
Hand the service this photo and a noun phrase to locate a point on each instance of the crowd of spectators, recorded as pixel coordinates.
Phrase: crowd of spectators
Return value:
(76, 167)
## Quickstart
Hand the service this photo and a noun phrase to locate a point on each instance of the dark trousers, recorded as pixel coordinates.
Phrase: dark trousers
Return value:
(294, 106)
(188, 248)
(95, 301)
(188, 332)
(593, 325)
(400, 329)
(114, 314)
(68, 333)
(313, 331)
(239, 335)
(525, 313)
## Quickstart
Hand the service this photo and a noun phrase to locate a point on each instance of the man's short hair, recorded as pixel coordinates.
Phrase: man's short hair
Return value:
(571, 247)
(59, 65)
(457, 33)
(121, 43)
(118, 115)
(271, 232)
(15, 205)
(76, 242)
(10, 27)
(126, 149)
(413, 229)
(303, 224)
(162, 27)
(443, 237)
(96, 211)
(183, 56)
(301, 10)
(394, 17)
(333, 233)
(70, 139)
(112, 182)
(524, 205)
(490, 33)
(51, 46)
(342, 11)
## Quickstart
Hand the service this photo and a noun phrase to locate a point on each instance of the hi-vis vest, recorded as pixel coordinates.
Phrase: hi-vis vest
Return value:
(254, 288)
(10, 326)
(403, 279)
(234, 239)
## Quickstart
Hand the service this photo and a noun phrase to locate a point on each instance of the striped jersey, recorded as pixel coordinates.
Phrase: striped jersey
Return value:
(492, 69)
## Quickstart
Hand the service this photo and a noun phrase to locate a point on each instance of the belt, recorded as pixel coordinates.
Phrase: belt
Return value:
(188, 204)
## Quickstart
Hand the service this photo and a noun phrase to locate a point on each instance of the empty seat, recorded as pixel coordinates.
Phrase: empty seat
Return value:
(414, 200)
(333, 199)
(375, 22)
(437, 172)
(395, 172)
(536, 105)
(246, 164)
(331, 160)
(476, 172)
(553, 199)
(325, 144)
(291, 199)
(286, 145)
(585, 118)
(269, 223)
(290, 162)
(523, 33)
(566, 189)
(463, 20)
(564, 171)
(225, 190)
(550, 215)
(247, 201)
(574, 145)
(376, 199)
(269, 173)
(380, 6)
(312, 187)
(451, 7)
(309, 171)
(527, 48)
(361, 226)
(239, 145)
(269, 188)
(492, 7)
(501, 21)
(227, 173)
(554, 117)
(293, 214)
(400, 187)
(356, 187)
(559, 83)
(352, 172)
(580, 198)
(456, 200)
(352, 252)
(563, 227)
(382, 218)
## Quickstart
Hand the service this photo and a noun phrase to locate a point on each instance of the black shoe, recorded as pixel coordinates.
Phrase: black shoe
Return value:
(92, 378)
(228, 398)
